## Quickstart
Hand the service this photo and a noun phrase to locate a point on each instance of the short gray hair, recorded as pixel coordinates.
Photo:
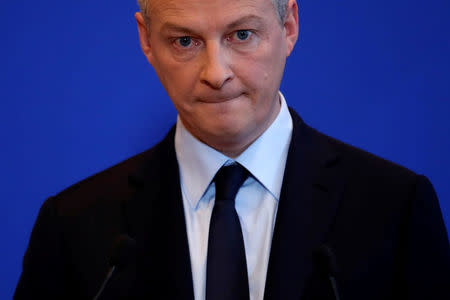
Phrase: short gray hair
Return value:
(279, 5)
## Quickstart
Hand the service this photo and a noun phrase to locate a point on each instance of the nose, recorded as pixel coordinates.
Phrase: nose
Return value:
(215, 70)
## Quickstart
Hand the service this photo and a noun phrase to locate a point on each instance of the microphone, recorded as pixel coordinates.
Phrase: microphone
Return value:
(326, 261)
(122, 253)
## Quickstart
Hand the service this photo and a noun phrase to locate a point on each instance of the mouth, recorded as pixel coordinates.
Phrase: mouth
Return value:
(219, 98)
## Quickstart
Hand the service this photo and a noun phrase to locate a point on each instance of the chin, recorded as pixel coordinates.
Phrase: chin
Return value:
(231, 132)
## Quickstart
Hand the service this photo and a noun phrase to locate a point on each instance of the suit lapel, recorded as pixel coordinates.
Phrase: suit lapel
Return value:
(157, 221)
(308, 202)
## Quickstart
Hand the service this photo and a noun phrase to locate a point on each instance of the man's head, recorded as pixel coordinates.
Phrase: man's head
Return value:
(279, 5)
(221, 63)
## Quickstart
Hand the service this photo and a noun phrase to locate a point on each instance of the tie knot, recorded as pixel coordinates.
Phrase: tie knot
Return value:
(228, 180)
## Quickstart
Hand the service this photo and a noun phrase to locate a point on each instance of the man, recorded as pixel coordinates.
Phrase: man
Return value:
(316, 219)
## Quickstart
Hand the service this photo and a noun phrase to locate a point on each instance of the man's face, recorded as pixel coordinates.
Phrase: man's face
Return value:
(221, 63)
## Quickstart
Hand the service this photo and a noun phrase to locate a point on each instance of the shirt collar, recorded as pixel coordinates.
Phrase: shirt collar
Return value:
(265, 158)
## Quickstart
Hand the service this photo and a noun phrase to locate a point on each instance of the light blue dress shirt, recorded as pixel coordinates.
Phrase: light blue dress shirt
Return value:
(256, 201)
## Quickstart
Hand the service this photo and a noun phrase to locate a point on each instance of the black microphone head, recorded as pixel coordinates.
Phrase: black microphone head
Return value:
(326, 260)
(123, 251)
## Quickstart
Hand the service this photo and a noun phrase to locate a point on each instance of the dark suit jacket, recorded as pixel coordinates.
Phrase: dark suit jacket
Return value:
(381, 220)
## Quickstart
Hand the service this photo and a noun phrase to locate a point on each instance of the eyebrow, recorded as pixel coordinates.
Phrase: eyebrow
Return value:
(239, 22)
(246, 19)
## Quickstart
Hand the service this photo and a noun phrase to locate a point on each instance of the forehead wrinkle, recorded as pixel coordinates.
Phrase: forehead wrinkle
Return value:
(199, 26)
(165, 8)
(198, 10)
(244, 20)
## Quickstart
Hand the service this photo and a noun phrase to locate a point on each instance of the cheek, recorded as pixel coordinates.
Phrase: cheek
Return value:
(178, 79)
(263, 68)
(261, 73)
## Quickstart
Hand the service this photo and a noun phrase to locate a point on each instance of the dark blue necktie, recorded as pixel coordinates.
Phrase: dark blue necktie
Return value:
(226, 270)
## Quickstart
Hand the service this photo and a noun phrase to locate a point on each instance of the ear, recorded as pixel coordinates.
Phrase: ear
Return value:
(144, 36)
(291, 25)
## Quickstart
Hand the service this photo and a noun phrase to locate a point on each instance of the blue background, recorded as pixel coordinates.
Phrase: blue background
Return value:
(78, 96)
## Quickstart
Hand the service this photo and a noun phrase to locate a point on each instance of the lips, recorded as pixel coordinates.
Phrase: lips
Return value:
(219, 98)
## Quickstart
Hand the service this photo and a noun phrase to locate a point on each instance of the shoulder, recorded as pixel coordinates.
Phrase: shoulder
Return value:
(353, 164)
(114, 184)
(361, 163)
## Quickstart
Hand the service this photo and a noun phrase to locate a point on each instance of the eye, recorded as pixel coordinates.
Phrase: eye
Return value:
(184, 41)
(242, 35)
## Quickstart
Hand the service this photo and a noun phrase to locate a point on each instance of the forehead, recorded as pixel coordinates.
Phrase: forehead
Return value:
(209, 10)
